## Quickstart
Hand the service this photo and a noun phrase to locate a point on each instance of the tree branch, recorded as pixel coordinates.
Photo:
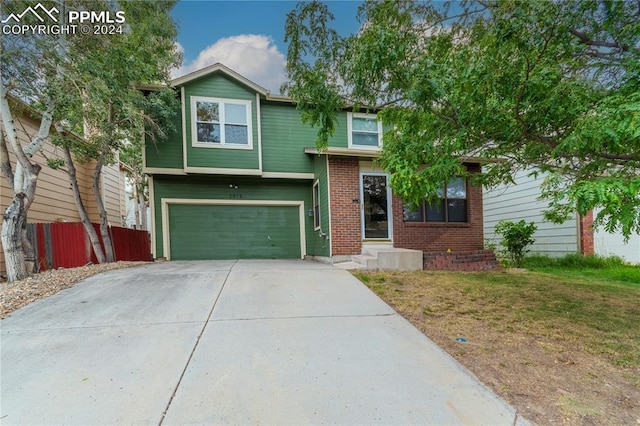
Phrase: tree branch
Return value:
(584, 39)
(5, 164)
(10, 131)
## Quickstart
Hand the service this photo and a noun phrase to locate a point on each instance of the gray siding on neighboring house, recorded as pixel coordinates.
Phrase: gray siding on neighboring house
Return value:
(520, 201)
(606, 244)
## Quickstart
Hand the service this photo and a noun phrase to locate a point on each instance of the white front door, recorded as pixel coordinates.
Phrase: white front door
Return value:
(375, 194)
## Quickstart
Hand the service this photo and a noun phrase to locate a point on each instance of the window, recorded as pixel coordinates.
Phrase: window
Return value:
(316, 205)
(452, 206)
(221, 123)
(364, 131)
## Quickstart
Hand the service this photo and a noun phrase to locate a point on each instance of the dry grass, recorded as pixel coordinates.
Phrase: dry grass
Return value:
(561, 349)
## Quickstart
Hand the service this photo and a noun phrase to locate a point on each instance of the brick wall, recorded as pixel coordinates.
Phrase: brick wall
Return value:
(479, 260)
(586, 234)
(346, 235)
(430, 236)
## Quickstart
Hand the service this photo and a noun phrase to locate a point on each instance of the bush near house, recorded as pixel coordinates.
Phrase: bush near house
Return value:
(516, 237)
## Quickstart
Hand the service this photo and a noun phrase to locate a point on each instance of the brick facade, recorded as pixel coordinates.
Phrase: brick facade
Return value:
(346, 234)
(586, 234)
(430, 236)
(479, 260)
(344, 195)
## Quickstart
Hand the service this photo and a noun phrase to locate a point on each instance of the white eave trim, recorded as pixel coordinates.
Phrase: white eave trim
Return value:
(223, 171)
(162, 171)
(344, 152)
(218, 67)
(287, 175)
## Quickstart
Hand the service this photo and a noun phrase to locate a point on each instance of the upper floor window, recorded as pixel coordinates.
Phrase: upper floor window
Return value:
(221, 123)
(450, 207)
(364, 131)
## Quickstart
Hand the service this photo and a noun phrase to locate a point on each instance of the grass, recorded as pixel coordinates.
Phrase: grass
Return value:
(596, 268)
(567, 323)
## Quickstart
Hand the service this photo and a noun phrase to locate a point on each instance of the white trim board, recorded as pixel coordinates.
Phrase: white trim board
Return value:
(287, 175)
(165, 202)
(152, 206)
(163, 171)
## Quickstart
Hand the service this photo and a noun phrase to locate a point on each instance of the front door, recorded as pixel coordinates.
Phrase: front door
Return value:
(376, 206)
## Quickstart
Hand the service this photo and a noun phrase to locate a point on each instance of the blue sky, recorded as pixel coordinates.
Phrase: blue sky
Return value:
(247, 36)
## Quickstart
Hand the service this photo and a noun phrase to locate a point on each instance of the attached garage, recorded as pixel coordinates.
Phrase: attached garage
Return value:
(233, 229)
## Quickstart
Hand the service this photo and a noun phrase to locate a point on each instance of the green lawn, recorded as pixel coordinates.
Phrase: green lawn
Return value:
(592, 268)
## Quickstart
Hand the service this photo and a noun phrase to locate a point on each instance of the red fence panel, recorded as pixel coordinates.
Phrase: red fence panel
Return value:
(43, 262)
(131, 244)
(69, 245)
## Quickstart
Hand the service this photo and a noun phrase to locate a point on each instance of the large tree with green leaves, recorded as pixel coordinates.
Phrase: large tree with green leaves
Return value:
(105, 104)
(547, 86)
(83, 83)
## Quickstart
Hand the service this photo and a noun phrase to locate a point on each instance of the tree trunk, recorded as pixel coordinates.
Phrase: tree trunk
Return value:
(142, 206)
(27, 248)
(136, 202)
(84, 216)
(11, 239)
(104, 221)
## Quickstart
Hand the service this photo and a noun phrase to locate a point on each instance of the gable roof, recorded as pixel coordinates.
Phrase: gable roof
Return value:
(216, 68)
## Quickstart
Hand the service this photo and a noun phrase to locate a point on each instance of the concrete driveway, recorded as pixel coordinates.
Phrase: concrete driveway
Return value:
(230, 342)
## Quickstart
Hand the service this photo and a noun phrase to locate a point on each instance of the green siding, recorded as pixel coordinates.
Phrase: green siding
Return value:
(217, 187)
(321, 244)
(339, 138)
(284, 139)
(166, 153)
(200, 232)
(219, 86)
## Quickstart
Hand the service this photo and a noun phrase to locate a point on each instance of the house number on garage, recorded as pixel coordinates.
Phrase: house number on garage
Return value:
(235, 196)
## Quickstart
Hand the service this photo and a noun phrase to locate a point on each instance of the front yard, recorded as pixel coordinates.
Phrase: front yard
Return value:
(561, 346)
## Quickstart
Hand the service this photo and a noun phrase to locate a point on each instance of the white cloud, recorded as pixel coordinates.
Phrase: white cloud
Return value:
(179, 47)
(254, 56)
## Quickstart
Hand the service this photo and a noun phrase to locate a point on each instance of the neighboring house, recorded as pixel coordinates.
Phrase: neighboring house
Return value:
(242, 178)
(131, 206)
(520, 201)
(54, 200)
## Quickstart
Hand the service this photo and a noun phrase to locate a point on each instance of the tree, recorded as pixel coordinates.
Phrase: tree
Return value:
(83, 83)
(19, 257)
(548, 86)
(104, 102)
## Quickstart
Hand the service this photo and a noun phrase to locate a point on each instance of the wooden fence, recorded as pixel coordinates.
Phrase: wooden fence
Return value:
(67, 245)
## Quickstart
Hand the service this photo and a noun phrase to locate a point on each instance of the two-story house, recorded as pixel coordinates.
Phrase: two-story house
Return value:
(241, 178)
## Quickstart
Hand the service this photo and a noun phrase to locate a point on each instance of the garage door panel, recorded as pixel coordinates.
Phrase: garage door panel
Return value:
(199, 232)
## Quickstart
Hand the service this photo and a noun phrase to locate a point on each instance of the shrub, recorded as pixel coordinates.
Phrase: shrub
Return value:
(516, 237)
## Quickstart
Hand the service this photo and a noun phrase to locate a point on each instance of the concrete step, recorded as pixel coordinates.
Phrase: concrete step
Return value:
(395, 259)
(369, 262)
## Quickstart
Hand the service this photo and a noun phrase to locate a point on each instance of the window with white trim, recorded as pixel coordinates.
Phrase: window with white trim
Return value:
(316, 205)
(364, 131)
(221, 123)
